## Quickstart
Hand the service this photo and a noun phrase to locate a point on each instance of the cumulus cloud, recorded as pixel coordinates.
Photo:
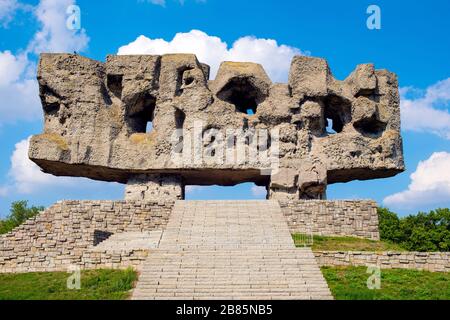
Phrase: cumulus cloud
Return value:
(427, 111)
(3, 191)
(27, 178)
(275, 58)
(157, 2)
(26, 175)
(430, 184)
(7, 10)
(54, 36)
(11, 67)
(18, 86)
(18, 90)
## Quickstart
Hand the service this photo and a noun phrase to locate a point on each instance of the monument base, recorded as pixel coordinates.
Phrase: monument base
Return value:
(73, 232)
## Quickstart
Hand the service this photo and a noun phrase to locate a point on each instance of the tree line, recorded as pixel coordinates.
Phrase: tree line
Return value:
(420, 232)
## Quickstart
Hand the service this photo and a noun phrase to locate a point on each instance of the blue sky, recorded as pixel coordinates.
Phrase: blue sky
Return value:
(413, 42)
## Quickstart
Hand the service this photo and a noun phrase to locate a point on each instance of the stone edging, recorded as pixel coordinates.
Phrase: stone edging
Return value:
(429, 261)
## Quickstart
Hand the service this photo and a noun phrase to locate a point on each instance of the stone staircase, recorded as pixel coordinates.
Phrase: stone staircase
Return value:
(229, 250)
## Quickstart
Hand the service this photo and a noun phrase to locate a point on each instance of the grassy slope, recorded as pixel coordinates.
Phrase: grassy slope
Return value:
(95, 285)
(350, 283)
(325, 243)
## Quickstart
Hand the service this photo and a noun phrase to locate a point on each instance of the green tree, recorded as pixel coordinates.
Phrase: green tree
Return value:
(421, 232)
(389, 226)
(19, 213)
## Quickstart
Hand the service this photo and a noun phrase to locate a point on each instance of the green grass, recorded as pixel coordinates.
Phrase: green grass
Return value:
(350, 283)
(328, 243)
(95, 285)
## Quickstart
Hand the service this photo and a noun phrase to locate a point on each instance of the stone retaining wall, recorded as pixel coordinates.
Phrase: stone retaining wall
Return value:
(94, 259)
(59, 236)
(356, 218)
(430, 261)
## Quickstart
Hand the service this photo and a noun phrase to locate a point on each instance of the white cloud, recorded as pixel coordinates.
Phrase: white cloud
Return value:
(27, 177)
(430, 184)
(7, 10)
(157, 2)
(11, 67)
(421, 113)
(3, 191)
(18, 90)
(54, 36)
(258, 191)
(275, 58)
(162, 3)
(18, 86)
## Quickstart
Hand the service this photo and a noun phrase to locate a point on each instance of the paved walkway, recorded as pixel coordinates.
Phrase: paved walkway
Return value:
(229, 250)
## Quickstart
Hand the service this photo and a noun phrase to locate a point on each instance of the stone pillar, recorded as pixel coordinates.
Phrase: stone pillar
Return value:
(277, 193)
(283, 185)
(155, 187)
(290, 184)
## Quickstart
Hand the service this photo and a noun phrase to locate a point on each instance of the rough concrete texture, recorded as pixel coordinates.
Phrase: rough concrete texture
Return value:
(97, 115)
(154, 186)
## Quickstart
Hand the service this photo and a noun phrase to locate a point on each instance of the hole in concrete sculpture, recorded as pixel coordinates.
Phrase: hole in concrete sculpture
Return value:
(188, 81)
(180, 117)
(51, 100)
(183, 80)
(338, 112)
(355, 154)
(114, 83)
(149, 127)
(371, 127)
(329, 129)
(242, 94)
(141, 114)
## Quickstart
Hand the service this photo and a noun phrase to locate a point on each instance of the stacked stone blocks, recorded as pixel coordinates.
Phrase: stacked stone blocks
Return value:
(429, 261)
(62, 234)
(358, 218)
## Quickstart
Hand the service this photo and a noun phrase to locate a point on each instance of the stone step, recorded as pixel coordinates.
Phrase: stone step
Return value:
(232, 274)
(229, 250)
(226, 224)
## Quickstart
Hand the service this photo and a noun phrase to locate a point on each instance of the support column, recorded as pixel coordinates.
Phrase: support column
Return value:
(155, 187)
(291, 184)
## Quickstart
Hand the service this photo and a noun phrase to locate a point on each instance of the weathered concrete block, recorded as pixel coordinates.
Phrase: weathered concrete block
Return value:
(139, 115)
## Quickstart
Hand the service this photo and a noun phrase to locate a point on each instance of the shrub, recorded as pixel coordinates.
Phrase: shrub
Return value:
(19, 213)
(421, 232)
